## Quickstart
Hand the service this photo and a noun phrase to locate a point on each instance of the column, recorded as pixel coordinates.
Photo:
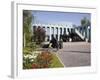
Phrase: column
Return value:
(54, 31)
(58, 33)
(50, 32)
(46, 33)
(66, 31)
(62, 30)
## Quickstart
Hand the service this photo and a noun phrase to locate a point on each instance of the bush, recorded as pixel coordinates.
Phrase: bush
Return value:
(39, 60)
(27, 51)
(27, 64)
(44, 59)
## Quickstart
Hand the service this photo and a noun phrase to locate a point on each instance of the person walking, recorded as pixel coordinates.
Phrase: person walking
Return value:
(54, 43)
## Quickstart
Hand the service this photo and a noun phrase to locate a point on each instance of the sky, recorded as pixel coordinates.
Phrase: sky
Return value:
(52, 17)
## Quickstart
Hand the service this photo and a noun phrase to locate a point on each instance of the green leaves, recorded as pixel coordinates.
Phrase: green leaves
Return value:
(27, 21)
(85, 22)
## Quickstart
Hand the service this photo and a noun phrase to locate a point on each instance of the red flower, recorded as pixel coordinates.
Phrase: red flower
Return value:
(34, 65)
(46, 66)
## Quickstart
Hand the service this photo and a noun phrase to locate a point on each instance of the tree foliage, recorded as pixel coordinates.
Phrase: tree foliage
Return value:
(39, 35)
(85, 22)
(27, 20)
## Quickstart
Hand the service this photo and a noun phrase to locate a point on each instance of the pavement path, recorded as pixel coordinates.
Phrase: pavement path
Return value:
(75, 54)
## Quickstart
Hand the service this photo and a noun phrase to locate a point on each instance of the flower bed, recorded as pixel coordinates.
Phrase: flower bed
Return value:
(41, 59)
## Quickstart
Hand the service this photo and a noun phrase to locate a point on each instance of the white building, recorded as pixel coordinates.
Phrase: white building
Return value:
(55, 30)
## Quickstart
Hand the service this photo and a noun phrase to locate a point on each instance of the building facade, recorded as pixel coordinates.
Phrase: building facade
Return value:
(55, 30)
(58, 30)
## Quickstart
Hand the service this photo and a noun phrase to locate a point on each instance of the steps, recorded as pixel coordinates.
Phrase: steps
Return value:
(76, 36)
(79, 34)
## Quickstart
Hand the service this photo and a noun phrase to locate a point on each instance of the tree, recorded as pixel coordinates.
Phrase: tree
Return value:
(27, 20)
(85, 22)
(39, 35)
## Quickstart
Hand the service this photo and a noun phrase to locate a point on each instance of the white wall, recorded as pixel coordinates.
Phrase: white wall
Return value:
(5, 40)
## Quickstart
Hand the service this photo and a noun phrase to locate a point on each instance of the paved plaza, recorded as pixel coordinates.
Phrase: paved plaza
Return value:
(75, 54)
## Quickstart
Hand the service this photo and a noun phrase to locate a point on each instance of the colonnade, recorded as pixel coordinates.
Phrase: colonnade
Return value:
(54, 30)
(57, 30)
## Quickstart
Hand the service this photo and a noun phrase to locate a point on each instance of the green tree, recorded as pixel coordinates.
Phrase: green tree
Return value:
(27, 21)
(85, 22)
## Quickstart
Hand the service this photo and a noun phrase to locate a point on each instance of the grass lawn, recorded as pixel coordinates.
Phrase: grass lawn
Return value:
(55, 62)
